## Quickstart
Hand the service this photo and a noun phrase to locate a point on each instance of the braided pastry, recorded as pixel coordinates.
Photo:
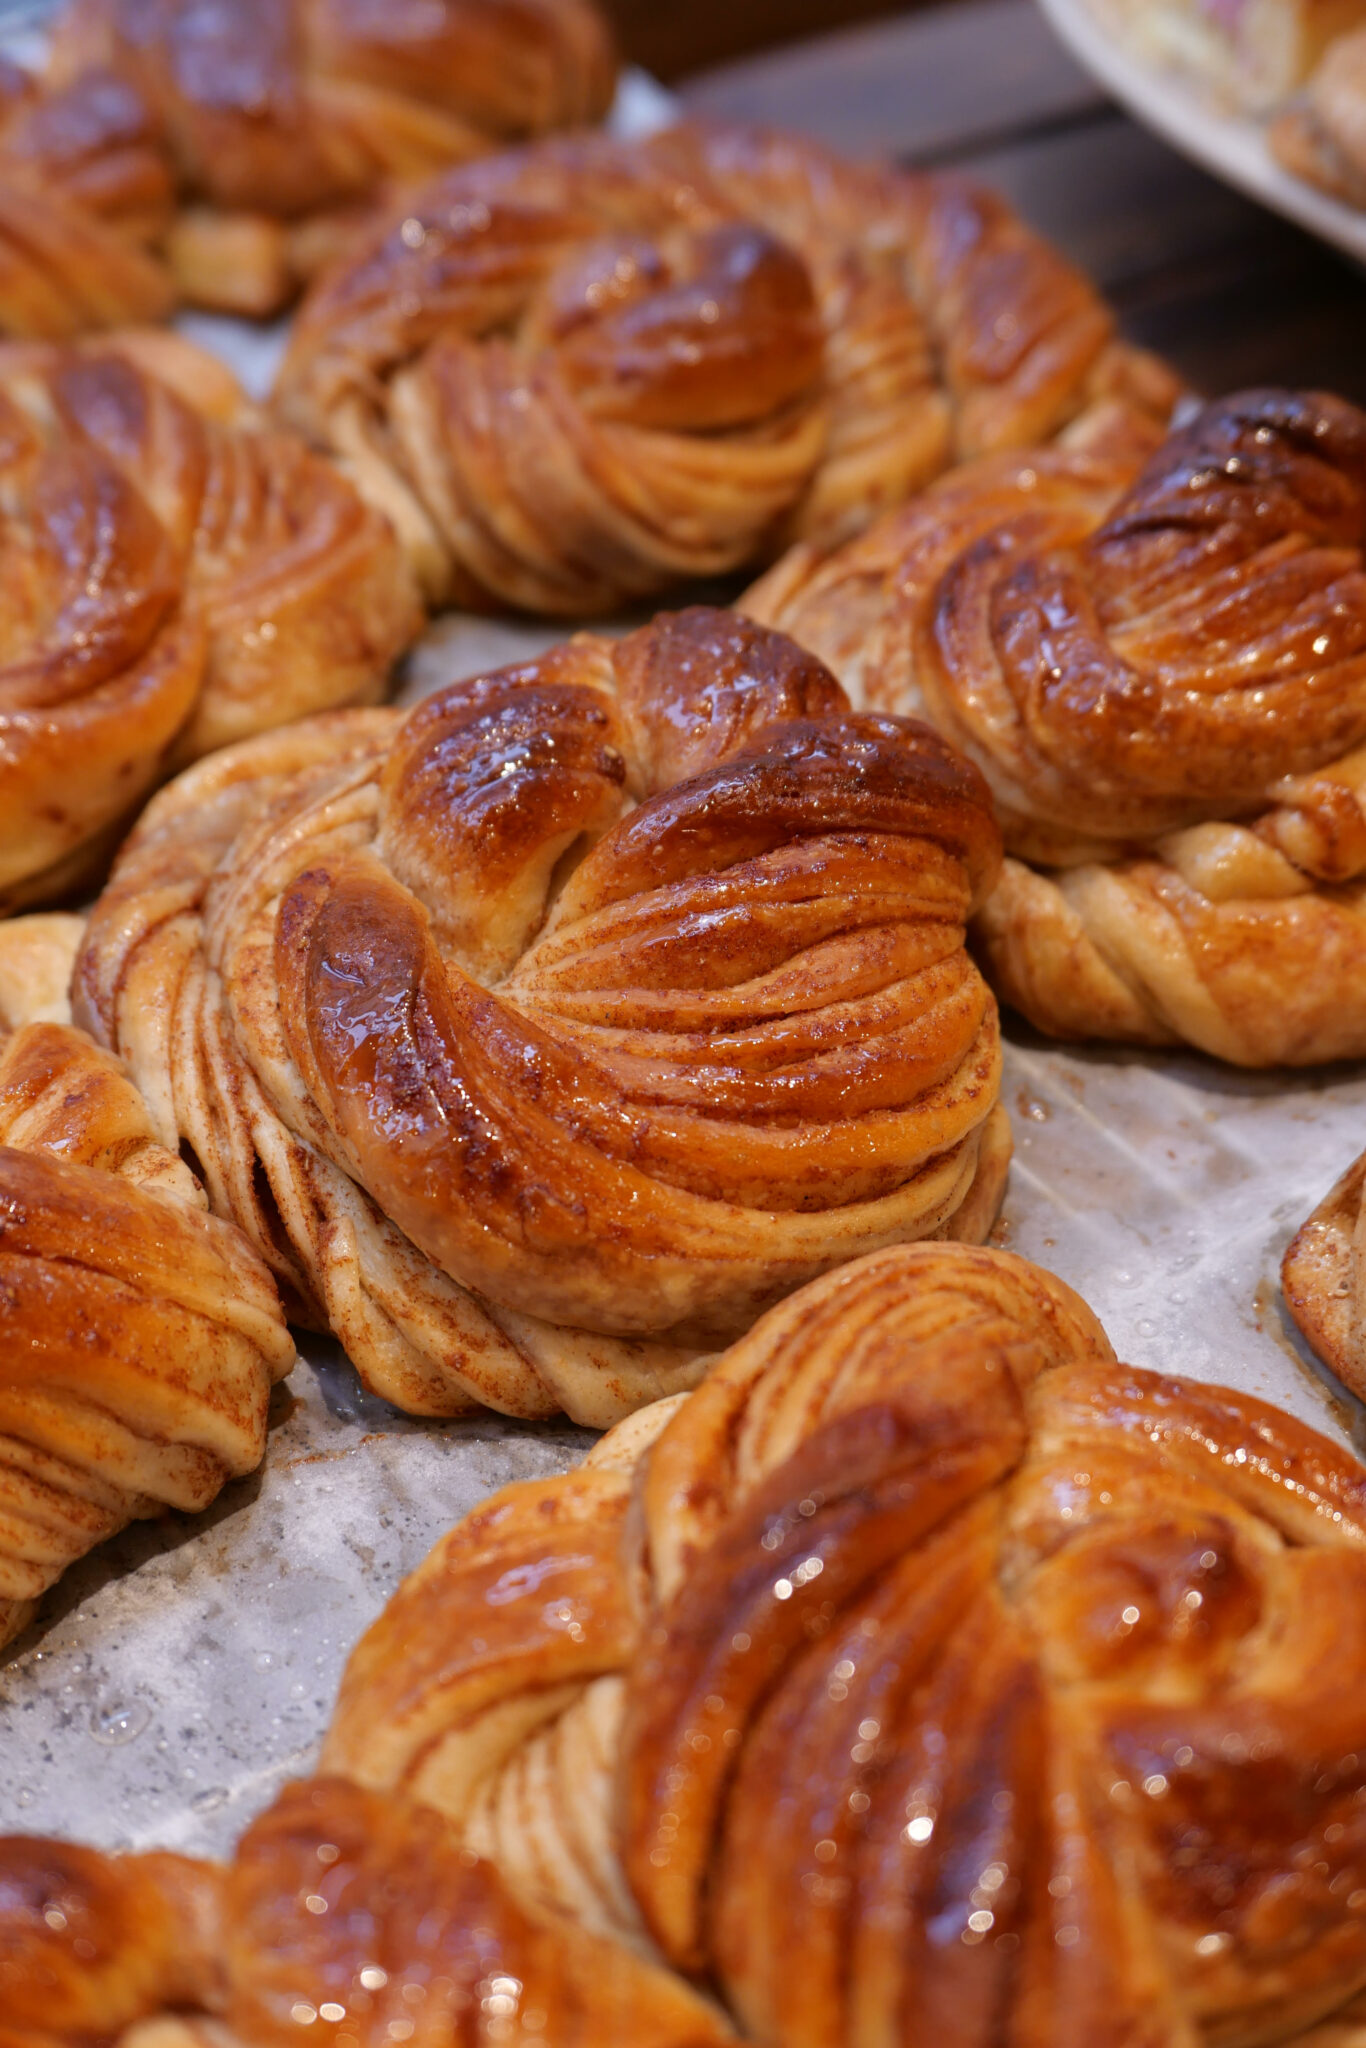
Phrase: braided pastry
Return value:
(1164, 681)
(141, 1336)
(176, 578)
(343, 1917)
(925, 1675)
(275, 119)
(1321, 134)
(579, 373)
(1324, 1277)
(542, 1036)
(83, 188)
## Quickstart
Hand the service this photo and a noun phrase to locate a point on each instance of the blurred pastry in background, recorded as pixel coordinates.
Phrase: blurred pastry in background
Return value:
(1321, 135)
(1251, 53)
(219, 155)
(178, 572)
(585, 372)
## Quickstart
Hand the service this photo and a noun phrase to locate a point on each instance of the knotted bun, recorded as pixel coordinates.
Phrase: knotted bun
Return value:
(582, 372)
(924, 1668)
(142, 1336)
(543, 1035)
(84, 188)
(1163, 678)
(177, 577)
(274, 122)
(339, 1909)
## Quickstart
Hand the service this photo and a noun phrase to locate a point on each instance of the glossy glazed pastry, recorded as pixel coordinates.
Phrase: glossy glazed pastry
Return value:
(925, 1667)
(542, 1036)
(581, 373)
(274, 120)
(141, 1337)
(1164, 681)
(177, 575)
(1324, 1278)
(84, 189)
(354, 1917)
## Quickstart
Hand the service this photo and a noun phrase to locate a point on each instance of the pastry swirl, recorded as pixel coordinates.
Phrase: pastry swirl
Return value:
(1163, 678)
(582, 372)
(177, 576)
(141, 1336)
(543, 1035)
(924, 1666)
(274, 124)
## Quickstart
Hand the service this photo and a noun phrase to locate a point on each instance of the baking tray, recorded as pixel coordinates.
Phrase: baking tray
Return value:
(182, 1672)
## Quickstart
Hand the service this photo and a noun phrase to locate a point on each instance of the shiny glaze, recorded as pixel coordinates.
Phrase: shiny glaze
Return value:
(173, 579)
(640, 1083)
(584, 371)
(142, 1337)
(596, 1002)
(1162, 675)
(340, 1912)
(286, 108)
(977, 1681)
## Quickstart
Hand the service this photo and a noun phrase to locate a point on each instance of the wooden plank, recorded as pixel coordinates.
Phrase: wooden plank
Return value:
(920, 87)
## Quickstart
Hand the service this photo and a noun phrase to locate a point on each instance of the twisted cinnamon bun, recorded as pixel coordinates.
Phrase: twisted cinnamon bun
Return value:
(176, 576)
(541, 1036)
(273, 121)
(1163, 678)
(579, 373)
(925, 1670)
(141, 1337)
(83, 190)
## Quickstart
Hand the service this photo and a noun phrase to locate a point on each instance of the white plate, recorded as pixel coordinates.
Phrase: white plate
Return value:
(1233, 146)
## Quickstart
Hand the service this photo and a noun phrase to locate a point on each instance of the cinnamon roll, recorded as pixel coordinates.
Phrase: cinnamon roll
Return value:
(583, 372)
(276, 123)
(542, 1036)
(177, 575)
(1163, 678)
(141, 1337)
(926, 1669)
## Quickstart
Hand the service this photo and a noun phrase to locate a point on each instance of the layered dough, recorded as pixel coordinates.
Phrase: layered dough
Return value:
(541, 1037)
(176, 575)
(1163, 678)
(221, 154)
(142, 1336)
(580, 373)
(924, 1670)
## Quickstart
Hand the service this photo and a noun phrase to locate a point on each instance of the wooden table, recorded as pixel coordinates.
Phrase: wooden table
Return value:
(1232, 294)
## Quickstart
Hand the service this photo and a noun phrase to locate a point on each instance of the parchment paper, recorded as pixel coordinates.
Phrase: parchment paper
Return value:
(181, 1673)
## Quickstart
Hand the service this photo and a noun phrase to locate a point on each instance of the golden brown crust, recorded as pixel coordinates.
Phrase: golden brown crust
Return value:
(971, 1674)
(339, 1908)
(925, 1666)
(142, 1337)
(1324, 1274)
(582, 372)
(542, 1036)
(1163, 678)
(247, 141)
(178, 577)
